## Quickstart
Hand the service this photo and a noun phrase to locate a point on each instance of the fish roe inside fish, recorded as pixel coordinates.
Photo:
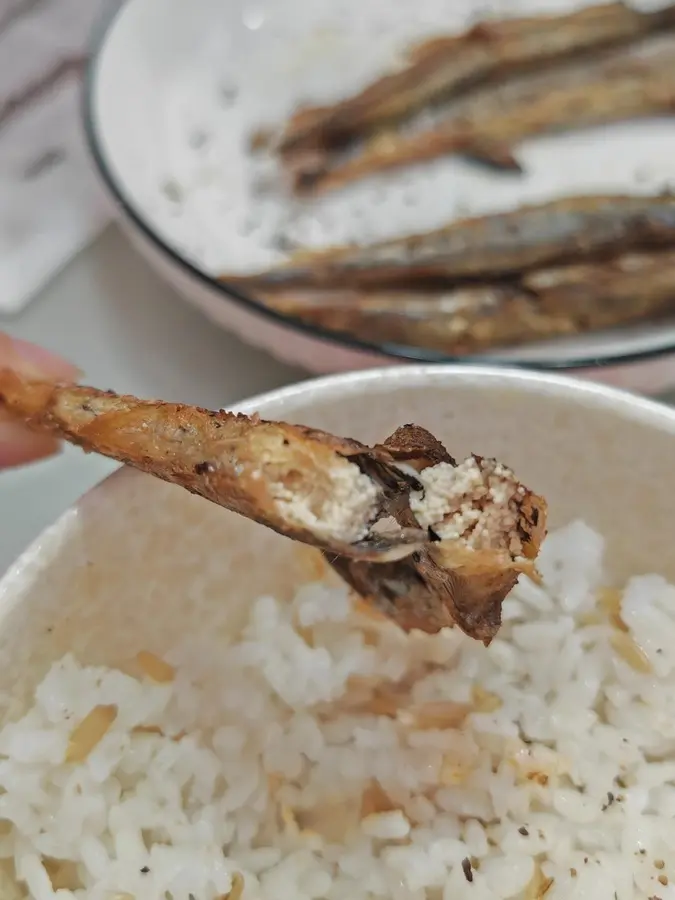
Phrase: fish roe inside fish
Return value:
(340, 507)
(475, 502)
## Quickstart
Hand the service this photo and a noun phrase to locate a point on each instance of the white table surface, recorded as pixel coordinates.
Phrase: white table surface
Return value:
(110, 314)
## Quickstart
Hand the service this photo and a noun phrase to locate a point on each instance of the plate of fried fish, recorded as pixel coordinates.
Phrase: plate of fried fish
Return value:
(347, 184)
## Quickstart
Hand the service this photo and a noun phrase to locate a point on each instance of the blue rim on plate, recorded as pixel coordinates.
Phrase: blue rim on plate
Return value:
(345, 340)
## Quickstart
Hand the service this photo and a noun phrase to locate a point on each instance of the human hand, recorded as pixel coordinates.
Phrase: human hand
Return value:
(18, 445)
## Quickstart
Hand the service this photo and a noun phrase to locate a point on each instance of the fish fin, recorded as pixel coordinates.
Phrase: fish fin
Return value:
(494, 154)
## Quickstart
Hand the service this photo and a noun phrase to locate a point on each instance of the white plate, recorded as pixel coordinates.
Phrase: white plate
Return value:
(174, 91)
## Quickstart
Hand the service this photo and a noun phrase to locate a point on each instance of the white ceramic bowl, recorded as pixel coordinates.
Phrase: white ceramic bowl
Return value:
(152, 49)
(138, 564)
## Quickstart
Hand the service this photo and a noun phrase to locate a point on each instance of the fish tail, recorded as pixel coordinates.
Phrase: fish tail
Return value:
(494, 154)
(382, 155)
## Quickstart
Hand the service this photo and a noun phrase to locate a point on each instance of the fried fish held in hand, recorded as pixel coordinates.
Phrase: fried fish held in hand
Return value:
(350, 500)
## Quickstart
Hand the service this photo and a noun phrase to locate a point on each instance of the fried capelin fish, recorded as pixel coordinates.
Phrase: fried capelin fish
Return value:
(487, 123)
(430, 543)
(572, 229)
(474, 318)
(443, 66)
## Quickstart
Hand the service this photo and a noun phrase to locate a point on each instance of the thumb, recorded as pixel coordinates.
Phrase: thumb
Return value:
(19, 445)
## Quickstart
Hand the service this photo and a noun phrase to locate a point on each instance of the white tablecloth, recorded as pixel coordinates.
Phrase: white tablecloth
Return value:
(50, 205)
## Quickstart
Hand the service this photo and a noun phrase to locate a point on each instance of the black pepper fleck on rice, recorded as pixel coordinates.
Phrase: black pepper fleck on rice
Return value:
(466, 868)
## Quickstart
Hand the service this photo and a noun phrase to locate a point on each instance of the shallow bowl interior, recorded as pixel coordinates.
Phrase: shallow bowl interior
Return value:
(138, 564)
(156, 56)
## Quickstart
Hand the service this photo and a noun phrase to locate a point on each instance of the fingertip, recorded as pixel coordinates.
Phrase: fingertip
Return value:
(18, 446)
(34, 361)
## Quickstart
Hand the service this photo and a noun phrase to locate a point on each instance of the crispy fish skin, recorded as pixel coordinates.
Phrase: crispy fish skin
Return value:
(237, 462)
(543, 304)
(628, 288)
(443, 66)
(457, 321)
(416, 448)
(485, 124)
(485, 247)
(240, 463)
(472, 584)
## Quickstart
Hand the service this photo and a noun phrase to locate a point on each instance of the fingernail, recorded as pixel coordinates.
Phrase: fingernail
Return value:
(19, 446)
(32, 360)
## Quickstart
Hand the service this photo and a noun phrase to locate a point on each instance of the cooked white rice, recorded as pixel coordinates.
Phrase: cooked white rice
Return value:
(327, 755)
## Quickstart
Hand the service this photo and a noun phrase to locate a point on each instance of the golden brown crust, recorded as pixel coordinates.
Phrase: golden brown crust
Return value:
(432, 590)
(236, 462)
(232, 460)
(539, 305)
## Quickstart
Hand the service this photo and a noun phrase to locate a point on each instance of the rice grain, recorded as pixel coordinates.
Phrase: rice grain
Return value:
(392, 766)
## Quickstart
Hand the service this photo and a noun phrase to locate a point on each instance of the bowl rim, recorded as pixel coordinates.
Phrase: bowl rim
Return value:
(36, 556)
(232, 294)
